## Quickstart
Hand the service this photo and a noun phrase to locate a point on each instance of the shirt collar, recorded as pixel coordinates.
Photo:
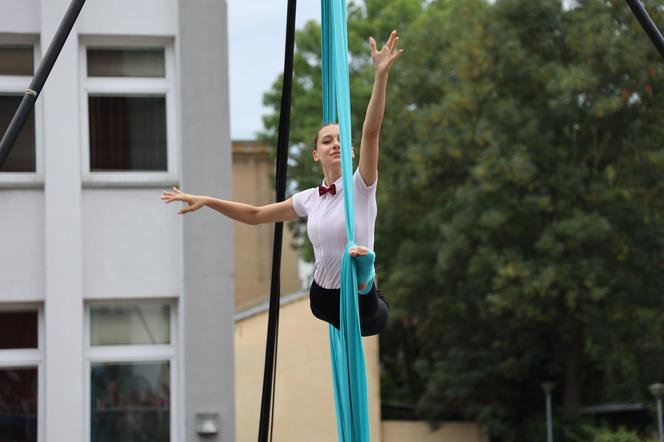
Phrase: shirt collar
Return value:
(338, 184)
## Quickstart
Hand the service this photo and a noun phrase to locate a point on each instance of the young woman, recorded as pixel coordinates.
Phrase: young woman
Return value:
(323, 206)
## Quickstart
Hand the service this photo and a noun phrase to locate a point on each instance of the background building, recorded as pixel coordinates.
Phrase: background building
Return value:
(116, 315)
(253, 183)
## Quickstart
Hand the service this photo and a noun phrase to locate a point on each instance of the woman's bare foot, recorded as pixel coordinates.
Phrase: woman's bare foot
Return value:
(359, 251)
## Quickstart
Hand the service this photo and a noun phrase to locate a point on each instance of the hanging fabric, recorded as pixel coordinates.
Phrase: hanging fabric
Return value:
(347, 354)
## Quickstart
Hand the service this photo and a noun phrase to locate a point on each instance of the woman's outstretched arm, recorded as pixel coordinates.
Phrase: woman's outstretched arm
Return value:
(383, 61)
(244, 213)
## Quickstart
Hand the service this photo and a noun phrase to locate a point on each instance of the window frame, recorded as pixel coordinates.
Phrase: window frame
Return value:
(133, 353)
(129, 86)
(17, 85)
(29, 358)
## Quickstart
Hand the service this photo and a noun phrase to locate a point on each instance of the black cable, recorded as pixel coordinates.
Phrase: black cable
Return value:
(274, 380)
(43, 71)
(267, 411)
(647, 24)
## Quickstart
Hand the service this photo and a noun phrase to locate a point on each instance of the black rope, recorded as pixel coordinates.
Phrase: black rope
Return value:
(647, 24)
(267, 406)
(43, 71)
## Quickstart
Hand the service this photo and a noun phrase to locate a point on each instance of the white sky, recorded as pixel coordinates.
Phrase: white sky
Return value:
(257, 33)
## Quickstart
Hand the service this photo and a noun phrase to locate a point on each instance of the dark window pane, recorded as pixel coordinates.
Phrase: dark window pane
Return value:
(130, 324)
(18, 404)
(18, 330)
(130, 402)
(126, 63)
(22, 156)
(127, 133)
(16, 60)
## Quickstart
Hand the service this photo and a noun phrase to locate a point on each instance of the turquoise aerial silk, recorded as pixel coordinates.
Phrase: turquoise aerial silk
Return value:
(348, 369)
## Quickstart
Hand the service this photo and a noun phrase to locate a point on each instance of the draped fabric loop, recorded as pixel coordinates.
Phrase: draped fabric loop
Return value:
(348, 368)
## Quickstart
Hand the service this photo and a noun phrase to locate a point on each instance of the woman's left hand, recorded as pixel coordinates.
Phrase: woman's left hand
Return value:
(385, 58)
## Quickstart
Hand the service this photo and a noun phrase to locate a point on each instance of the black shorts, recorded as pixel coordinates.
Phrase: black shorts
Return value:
(374, 310)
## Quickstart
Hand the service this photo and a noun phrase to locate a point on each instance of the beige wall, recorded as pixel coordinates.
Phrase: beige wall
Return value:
(253, 175)
(304, 406)
(403, 431)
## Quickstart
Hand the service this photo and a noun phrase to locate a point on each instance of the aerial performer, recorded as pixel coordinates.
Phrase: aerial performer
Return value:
(324, 210)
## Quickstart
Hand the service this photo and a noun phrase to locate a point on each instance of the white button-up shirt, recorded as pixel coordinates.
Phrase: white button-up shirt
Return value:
(326, 225)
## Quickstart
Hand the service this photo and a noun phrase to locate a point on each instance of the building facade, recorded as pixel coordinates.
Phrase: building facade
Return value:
(116, 315)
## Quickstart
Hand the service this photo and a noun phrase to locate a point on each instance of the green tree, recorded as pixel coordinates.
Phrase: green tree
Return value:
(531, 239)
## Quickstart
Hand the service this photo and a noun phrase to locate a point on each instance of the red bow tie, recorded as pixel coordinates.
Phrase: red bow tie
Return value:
(322, 190)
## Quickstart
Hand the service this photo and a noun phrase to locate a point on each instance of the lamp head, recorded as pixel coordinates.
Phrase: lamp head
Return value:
(657, 390)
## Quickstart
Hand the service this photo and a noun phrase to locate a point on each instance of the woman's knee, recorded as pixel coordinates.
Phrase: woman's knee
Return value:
(375, 324)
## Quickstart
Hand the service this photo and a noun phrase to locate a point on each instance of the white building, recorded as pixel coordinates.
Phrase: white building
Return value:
(116, 315)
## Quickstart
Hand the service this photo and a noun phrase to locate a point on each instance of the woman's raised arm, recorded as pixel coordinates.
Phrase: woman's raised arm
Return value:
(383, 61)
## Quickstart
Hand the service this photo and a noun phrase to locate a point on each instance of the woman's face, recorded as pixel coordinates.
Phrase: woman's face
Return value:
(328, 147)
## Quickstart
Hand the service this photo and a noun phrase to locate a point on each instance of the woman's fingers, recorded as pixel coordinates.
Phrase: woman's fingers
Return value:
(397, 54)
(391, 40)
(168, 197)
(176, 195)
(191, 207)
(389, 51)
(394, 46)
(186, 210)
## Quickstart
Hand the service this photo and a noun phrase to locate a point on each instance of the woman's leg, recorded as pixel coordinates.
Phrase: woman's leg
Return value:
(374, 310)
(324, 303)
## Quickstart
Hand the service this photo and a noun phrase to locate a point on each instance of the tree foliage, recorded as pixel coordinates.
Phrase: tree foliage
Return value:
(520, 231)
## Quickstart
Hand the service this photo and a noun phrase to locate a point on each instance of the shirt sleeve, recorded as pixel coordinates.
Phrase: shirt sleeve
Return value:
(301, 202)
(361, 186)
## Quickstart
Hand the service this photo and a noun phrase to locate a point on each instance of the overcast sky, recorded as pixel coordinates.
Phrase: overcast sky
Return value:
(257, 33)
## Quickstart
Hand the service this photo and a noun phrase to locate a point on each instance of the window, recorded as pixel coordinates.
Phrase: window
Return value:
(127, 133)
(16, 72)
(131, 358)
(20, 360)
(128, 108)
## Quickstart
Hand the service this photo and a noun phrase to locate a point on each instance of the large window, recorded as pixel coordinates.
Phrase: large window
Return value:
(20, 360)
(131, 358)
(16, 70)
(129, 113)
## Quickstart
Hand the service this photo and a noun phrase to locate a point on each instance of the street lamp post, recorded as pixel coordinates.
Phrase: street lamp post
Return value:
(548, 388)
(657, 390)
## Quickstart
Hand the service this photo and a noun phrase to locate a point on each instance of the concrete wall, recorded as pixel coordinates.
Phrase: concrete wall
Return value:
(304, 406)
(126, 252)
(64, 362)
(24, 16)
(208, 239)
(130, 17)
(22, 239)
(404, 431)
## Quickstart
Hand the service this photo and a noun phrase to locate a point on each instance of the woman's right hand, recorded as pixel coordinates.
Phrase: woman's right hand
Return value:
(194, 202)
(384, 58)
